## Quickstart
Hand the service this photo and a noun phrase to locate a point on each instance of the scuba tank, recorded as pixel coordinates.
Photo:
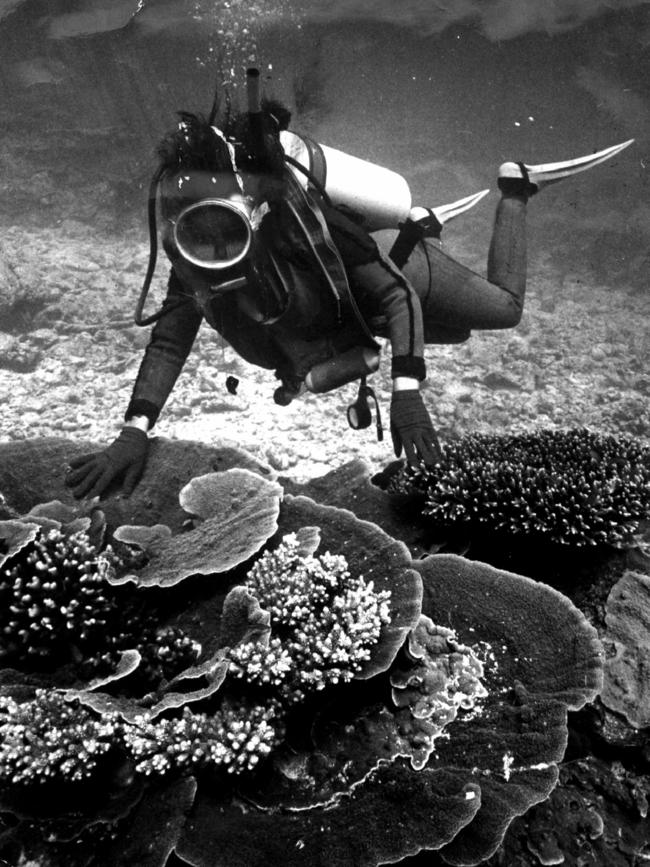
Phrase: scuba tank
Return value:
(380, 196)
(341, 369)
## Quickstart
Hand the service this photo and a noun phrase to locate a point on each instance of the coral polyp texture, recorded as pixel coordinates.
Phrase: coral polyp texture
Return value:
(57, 606)
(48, 739)
(572, 487)
(54, 593)
(235, 737)
(324, 621)
(52, 739)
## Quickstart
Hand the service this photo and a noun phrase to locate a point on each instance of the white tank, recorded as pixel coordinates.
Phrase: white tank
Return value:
(379, 195)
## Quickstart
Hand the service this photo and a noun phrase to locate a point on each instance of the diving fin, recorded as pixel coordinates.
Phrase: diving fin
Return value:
(428, 223)
(549, 173)
(444, 213)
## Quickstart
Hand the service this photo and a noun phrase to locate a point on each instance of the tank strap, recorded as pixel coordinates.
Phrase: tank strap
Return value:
(317, 162)
(317, 235)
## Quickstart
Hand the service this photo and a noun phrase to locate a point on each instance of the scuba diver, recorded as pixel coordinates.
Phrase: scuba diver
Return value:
(269, 238)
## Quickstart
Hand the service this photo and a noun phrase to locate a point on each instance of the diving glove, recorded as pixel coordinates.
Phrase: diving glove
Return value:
(411, 428)
(90, 475)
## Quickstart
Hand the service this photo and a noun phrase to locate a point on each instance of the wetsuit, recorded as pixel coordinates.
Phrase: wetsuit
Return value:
(433, 300)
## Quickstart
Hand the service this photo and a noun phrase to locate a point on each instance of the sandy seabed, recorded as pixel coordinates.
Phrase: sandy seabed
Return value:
(578, 358)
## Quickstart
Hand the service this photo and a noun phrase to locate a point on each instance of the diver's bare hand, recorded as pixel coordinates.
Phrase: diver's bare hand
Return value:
(90, 475)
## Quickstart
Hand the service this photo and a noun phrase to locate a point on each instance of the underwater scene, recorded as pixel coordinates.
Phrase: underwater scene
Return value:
(324, 433)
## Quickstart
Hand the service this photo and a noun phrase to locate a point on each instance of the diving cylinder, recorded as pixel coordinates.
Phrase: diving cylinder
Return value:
(341, 369)
(379, 195)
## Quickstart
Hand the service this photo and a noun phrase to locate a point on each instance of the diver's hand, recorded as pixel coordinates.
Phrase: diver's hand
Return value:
(90, 475)
(411, 428)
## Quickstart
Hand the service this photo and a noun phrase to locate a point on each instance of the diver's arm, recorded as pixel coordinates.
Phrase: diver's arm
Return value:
(125, 458)
(383, 289)
(171, 341)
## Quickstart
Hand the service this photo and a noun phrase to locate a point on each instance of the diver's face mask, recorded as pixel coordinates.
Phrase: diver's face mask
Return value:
(214, 233)
(207, 230)
(210, 220)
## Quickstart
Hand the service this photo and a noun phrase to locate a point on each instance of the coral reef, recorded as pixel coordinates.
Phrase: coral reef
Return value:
(597, 815)
(234, 737)
(411, 737)
(627, 642)
(238, 511)
(57, 606)
(53, 593)
(572, 487)
(324, 621)
(31, 472)
(49, 738)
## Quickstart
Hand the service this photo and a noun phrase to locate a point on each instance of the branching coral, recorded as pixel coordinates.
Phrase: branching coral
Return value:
(49, 738)
(324, 621)
(234, 738)
(573, 487)
(56, 604)
(53, 593)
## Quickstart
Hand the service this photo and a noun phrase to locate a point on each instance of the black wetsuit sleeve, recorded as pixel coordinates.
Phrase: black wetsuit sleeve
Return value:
(386, 293)
(382, 292)
(171, 340)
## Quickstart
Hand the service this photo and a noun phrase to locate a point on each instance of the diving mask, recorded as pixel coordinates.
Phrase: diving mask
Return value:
(214, 233)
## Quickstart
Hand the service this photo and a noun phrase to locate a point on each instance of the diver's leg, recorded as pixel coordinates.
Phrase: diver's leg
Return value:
(454, 298)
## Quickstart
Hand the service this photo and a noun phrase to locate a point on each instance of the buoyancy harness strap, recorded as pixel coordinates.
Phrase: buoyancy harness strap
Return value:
(317, 235)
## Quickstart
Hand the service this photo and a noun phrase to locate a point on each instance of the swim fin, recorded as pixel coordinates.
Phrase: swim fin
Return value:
(550, 173)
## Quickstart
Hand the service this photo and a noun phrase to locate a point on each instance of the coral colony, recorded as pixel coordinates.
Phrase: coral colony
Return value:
(54, 593)
(572, 487)
(326, 621)
(56, 605)
(326, 697)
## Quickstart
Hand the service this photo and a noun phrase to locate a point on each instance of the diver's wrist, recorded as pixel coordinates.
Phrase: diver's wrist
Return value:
(405, 383)
(139, 421)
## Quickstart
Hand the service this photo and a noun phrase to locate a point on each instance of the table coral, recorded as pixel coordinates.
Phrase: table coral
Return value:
(572, 487)
(238, 512)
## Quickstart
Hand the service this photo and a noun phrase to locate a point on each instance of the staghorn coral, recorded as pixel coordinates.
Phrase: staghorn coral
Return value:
(325, 621)
(571, 487)
(49, 738)
(57, 605)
